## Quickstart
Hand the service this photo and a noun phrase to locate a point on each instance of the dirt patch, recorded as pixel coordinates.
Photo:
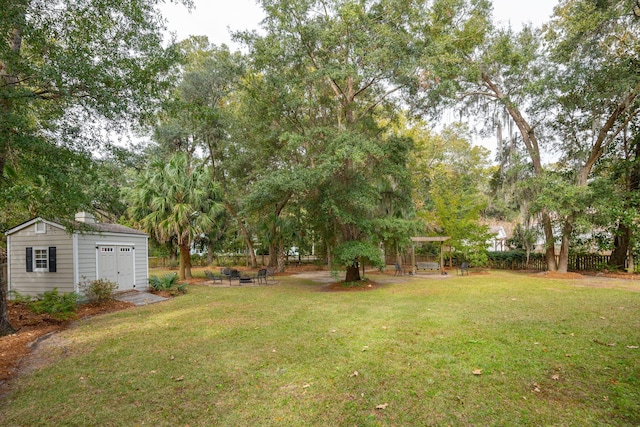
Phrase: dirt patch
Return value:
(556, 275)
(362, 285)
(613, 275)
(33, 327)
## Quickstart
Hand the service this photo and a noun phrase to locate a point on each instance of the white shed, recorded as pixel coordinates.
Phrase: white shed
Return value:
(42, 255)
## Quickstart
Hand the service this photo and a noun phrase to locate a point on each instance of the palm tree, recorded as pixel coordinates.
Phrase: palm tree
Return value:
(176, 199)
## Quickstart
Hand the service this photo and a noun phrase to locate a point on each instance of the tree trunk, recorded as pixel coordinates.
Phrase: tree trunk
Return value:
(353, 273)
(273, 254)
(621, 247)
(563, 263)
(245, 234)
(185, 267)
(5, 326)
(550, 243)
(280, 257)
(210, 252)
(398, 256)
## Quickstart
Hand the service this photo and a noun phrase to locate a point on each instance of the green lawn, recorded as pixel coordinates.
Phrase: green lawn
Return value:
(549, 352)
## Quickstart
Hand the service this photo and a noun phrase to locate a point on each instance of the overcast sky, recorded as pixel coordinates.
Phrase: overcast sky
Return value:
(214, 18)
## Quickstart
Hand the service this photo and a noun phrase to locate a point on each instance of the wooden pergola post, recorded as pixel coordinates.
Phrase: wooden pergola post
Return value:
(413, 258)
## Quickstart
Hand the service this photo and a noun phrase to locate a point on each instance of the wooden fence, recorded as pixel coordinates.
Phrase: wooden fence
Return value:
(517, 261)
(587, 262)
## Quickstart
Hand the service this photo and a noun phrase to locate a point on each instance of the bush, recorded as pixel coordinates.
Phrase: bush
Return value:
(19, 298)
(98, 291)
(163, 283)
(61, 306)
(168, 283)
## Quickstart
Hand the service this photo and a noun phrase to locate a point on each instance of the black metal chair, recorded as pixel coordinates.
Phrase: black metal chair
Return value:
(262, 276)
(212, 276)
(234, 275)
(271, 272)
(462, 268)
(399, 270)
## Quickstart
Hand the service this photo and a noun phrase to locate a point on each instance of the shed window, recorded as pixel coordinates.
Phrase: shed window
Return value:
(41, 259)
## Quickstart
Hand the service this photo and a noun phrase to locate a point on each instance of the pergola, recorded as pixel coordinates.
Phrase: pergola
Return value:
(415, 240)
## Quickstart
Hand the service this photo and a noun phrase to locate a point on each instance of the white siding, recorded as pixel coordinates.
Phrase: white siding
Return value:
(87, 254)
(33, 283)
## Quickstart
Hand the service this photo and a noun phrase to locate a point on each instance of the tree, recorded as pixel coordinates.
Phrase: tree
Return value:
(594, 47)
(450, 179)
(67, 64)
(524, 237)
(177, 200)
(337, 69)
(201, 115)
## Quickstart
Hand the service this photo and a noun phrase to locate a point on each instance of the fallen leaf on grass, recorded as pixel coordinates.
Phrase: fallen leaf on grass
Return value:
(477, 371)
(383, 406)
(536, 388)
(355, 374)
(365, 348)
(632, 346)
(555, 377)
(181, 378)
(306, 385)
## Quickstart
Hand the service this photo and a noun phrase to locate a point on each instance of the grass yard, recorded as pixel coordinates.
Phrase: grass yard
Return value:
(497, 349)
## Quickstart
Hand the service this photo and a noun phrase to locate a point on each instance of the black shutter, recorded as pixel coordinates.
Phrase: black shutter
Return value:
(52, 259)
(29, 260)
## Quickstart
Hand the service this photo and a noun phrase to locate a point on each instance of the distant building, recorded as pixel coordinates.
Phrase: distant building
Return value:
(498, 240)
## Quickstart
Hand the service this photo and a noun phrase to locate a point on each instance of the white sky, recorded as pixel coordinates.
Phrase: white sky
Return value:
(214, 18)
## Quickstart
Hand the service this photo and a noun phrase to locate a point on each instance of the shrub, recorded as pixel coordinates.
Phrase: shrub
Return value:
(99, 290)
(168, 283)
(163, 283)
(19, 298)
(61, 306)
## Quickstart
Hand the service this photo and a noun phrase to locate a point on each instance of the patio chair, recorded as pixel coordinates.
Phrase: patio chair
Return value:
(462, 268)
(234, 275)
(212, 276)
(399, 270)
(262, 276)
(271, 272)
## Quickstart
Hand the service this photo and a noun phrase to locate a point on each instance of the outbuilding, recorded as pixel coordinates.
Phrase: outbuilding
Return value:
(42, 255)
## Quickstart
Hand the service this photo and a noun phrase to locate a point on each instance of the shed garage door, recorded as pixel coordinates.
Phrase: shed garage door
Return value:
(116, 263)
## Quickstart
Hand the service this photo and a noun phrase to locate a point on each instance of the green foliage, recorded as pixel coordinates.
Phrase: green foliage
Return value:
(99, 290)
(20, 298)
(176, 200)
(346, 253)
(511, 259)
(61, 306)
(168, 283)
(163, 283)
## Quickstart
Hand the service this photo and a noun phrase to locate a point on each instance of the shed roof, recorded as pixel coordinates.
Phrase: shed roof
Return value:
(81, 227)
